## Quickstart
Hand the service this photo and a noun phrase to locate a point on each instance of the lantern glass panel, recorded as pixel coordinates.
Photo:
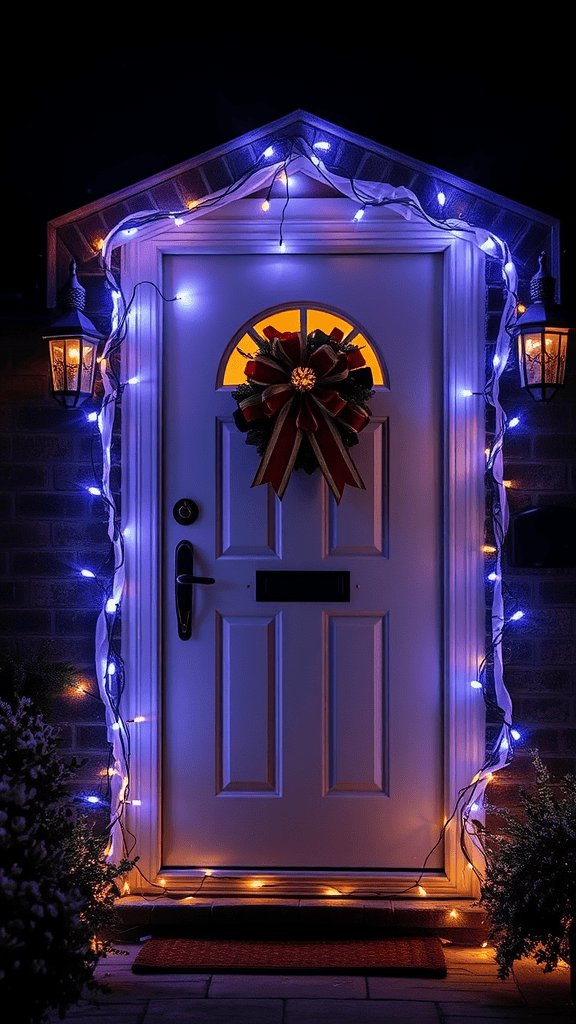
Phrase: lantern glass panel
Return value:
(73, 347)
(88, 355)
(57, 360)
(543, 356)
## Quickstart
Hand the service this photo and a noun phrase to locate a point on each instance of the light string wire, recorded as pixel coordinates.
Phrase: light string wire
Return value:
(298, 154)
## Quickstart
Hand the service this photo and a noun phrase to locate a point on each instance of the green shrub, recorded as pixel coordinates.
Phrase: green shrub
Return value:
(529, 888)
(56, 888)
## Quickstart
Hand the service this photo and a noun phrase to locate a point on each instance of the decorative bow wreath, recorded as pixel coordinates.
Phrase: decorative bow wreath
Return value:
(303, 406)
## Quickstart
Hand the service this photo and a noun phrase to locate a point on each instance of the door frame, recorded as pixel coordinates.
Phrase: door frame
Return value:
(315, 226)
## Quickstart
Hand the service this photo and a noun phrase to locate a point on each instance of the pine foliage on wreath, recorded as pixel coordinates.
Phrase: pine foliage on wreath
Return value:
(357, 388)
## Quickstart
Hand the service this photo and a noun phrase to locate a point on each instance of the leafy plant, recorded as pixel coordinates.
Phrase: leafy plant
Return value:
(56, 888)
(529, 888)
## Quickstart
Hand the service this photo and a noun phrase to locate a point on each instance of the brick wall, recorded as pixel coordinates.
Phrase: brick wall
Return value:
(51, 527)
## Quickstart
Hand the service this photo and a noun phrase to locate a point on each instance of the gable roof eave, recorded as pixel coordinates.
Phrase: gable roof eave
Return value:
(75, 234)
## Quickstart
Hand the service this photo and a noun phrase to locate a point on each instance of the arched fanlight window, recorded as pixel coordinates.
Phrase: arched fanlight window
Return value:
(305, 318)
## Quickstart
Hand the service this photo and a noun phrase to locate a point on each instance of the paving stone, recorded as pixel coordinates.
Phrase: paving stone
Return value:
(88, 1014)
(221, 1011)
(125, 986)
(320, 1011)
(288, 986)
(496, 1014)
(445, 990)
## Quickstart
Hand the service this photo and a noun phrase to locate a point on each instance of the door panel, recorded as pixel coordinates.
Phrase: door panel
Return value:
(297, 735)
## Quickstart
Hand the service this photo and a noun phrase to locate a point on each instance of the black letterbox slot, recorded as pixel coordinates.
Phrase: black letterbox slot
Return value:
(302, 586)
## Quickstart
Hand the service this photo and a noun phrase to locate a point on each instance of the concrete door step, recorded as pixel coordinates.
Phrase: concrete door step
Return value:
(457, 920)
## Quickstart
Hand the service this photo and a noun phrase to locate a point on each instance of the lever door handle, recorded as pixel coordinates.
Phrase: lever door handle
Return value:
(189, 580)
(184, 586)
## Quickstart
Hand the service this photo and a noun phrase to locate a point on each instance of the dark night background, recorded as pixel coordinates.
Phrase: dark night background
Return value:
(89, 112)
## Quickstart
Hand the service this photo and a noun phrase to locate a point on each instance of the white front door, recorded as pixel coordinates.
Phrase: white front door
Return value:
(301, 734)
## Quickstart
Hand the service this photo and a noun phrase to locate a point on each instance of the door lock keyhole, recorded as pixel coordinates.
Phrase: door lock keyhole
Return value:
(186, 511)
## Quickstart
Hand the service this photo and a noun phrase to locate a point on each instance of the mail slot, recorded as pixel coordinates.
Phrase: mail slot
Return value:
(302, 586)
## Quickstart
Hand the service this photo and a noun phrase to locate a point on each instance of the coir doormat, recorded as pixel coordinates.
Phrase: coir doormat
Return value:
(405, 956)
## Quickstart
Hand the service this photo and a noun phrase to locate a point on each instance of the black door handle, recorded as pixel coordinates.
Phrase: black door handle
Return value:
(184, 585)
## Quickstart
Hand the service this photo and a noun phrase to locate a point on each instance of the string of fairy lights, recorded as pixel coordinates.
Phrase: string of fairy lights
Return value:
(277, 163)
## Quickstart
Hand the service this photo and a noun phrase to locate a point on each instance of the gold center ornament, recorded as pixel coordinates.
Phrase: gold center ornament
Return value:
(303, 378)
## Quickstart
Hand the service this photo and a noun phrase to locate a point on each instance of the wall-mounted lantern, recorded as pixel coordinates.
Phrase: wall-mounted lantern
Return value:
(542, 333)
(73, 342)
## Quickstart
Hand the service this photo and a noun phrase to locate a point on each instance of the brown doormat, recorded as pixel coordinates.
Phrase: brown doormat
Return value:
(406, 956)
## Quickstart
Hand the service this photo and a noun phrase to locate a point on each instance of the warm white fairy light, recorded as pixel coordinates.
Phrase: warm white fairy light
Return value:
(88, 574)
